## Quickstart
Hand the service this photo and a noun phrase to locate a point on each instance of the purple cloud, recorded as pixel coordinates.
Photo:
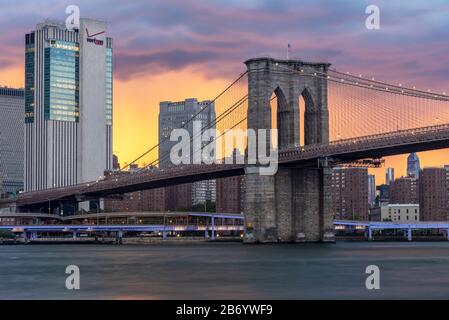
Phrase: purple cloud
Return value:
(216, 37)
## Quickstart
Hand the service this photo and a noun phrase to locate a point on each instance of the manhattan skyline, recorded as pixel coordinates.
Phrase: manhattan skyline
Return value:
(194, 51)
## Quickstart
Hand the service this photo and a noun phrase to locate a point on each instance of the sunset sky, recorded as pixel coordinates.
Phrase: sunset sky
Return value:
(172, 50)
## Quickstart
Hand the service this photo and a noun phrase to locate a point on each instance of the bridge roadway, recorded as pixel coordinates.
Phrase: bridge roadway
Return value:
(340, 151)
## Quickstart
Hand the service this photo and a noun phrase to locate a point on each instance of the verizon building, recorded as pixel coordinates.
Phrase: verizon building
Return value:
(68, 104)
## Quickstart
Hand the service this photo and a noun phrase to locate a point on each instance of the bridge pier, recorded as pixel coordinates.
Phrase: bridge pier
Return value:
(291, 206)
(294, 204)
(260, 210)
(313, 212)
(409, 234)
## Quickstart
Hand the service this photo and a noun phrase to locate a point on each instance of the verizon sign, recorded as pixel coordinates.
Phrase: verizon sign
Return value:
(91, 38)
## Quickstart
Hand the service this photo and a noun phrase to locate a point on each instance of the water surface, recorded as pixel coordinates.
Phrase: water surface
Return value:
(226, 271)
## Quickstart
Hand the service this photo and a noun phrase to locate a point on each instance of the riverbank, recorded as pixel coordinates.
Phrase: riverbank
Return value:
(182, 240)
(426, 238)
(115, 241)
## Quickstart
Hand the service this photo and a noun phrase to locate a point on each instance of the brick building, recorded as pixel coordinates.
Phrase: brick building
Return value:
(433, 194)
(145, 200)
(230, 195)
(349, 189)
(179, 197)
(404, 190)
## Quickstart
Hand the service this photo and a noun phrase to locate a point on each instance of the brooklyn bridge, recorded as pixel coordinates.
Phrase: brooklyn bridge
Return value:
(324, 118)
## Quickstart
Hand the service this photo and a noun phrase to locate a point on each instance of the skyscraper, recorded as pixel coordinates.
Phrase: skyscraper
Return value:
(173, 115)
(11, 140)
(389, 176)
(68, 104)
(413, 165)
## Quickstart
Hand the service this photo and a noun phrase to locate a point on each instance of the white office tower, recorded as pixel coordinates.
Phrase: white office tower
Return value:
(68, 104)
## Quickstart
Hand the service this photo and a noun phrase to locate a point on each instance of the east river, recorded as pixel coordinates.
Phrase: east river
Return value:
(226, 271)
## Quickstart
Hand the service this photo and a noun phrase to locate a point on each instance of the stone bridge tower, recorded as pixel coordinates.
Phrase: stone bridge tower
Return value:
(294, 204)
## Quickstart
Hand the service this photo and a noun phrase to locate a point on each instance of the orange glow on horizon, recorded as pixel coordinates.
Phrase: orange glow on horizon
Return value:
(13, 77)
(136, 107)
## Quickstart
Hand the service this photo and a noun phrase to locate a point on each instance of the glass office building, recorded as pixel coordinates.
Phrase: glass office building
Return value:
(68, 104)
(61, 81)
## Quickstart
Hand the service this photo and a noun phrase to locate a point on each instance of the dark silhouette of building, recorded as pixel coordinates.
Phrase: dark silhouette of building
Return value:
(433, 194)
(404, 190)
(384, 194)
(115, 163)
(350, 193)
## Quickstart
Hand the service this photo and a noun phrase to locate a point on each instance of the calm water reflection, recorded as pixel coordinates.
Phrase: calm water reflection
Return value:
(227, 271)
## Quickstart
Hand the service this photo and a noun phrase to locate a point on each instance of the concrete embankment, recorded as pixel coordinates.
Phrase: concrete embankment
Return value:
(112, 240)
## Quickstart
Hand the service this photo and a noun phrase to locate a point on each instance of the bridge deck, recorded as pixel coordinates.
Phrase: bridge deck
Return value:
(375, 146)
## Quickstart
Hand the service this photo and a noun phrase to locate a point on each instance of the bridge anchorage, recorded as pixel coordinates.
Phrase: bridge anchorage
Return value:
(293, 205)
